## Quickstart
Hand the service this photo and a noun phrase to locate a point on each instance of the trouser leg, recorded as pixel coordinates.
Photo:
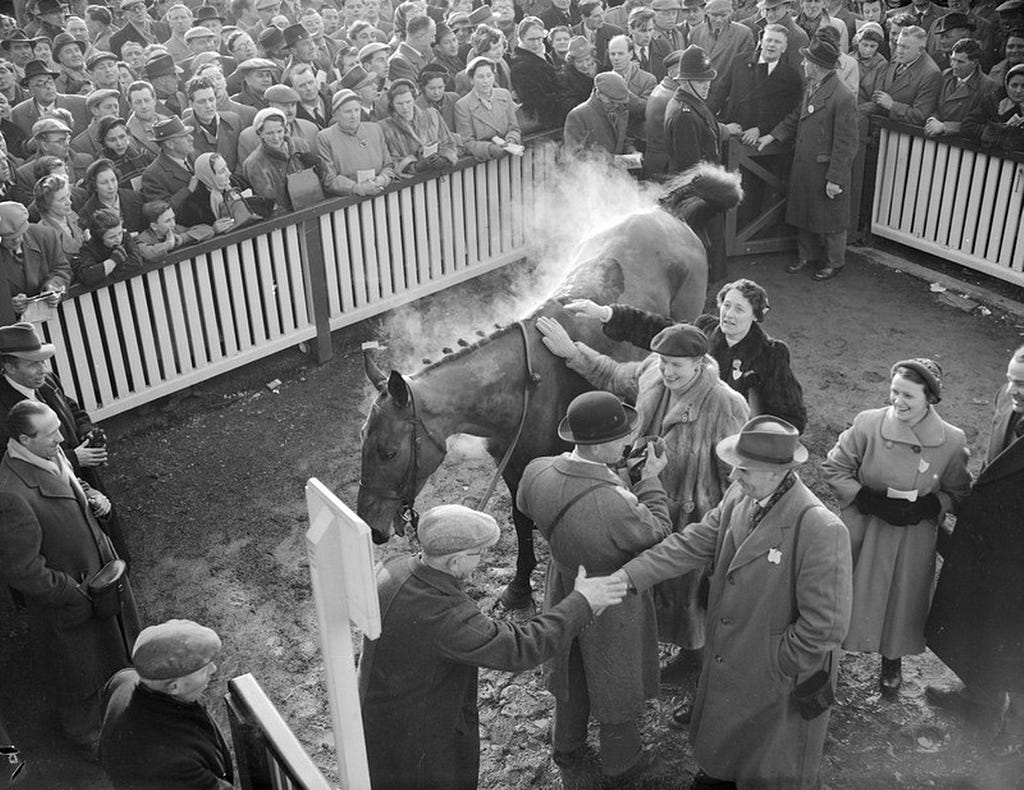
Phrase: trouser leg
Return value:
(80, 719)
(569, 728)
(808, 248)
(621, 747)
(835, 249)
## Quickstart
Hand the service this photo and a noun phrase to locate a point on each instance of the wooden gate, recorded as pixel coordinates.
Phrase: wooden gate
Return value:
(758, 225)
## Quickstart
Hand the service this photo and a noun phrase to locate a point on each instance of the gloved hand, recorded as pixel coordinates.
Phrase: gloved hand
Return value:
(118, 255)
(928, 507)
(869, 502)
(308, 159)
(422, 165)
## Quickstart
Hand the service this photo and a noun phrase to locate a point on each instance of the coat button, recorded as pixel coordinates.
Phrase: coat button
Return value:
(689, 507)
(726, 620)
(718, 659)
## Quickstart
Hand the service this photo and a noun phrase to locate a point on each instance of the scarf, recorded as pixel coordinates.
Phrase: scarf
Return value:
(204, 172)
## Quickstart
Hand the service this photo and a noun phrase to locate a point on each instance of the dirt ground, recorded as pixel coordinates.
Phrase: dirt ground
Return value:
(211, 484)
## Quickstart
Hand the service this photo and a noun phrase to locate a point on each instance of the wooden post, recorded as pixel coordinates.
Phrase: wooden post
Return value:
(313, 262)
(345, 589)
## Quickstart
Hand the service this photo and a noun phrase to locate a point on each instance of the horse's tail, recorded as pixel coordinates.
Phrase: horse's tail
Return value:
(701, 192)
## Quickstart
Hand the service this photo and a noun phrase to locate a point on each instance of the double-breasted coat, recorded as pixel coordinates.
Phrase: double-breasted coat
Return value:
(763, 636)
(476, 123)
(914, 90)
(418, 681)
(601, 531)
(823, 127)
(956, 99)
(894, 566)
(748, 95)
(165, 179)
(976, 624)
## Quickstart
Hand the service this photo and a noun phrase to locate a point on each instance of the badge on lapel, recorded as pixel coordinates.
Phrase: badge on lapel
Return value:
(774, 555)
(736, 372)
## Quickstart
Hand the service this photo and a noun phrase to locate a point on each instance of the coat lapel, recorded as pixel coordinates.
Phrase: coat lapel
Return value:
(1000, 424)
(47, 484)
(768, 534)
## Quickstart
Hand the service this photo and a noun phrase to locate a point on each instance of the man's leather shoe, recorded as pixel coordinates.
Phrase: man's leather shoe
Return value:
(796, 266)
(826, 273)
(959, 704)
(627, 779)
(891, 677)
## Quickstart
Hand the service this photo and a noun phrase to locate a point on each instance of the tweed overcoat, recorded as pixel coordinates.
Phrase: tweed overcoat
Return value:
(591, 129)
(976, 624)
(603, 530)
(763, 637)
(956, 101)
(476, 123)
(894, 567)
(418, 681)
(694, 478)
(915, 91)
(823, 127)
(735, 39)
(43, 265)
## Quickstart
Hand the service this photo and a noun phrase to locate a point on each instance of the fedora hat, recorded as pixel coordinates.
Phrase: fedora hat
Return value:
(694, 64)
(36, 68)
(160, 66)
(21, 340)
(765, 442)
(256, 64)
(294, 34)
(595, 418)
(206, 12)
(955, 20)
(17, 37)
(61, 40)
(168, 129)
(356, 78)
(821, 52)
(194, 33)
(270, 38)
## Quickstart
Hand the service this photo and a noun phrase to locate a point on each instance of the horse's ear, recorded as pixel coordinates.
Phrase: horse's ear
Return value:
(398, 389)
(373, 373)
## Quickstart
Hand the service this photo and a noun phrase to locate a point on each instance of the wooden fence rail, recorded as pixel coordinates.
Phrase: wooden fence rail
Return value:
(243, 296)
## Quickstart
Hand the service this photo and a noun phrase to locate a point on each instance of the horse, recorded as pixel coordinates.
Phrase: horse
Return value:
(509, 389)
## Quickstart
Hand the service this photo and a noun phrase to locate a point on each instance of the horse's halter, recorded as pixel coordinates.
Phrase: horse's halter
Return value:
(407, 494)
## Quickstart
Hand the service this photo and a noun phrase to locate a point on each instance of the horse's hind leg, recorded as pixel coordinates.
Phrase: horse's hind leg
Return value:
(519, 592)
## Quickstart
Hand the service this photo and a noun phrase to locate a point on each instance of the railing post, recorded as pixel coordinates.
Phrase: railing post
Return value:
(311, 249)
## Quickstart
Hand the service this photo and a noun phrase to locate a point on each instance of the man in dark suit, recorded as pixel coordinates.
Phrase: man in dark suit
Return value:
(170, 177)
(963, 87)
(43, 97)
(313, 106)
(593, 28)
(777, 12)
(908, 90)
(976, 623)
(648, 51)
(52, 138)
(140, 26)
(414, 52)
(562, 13)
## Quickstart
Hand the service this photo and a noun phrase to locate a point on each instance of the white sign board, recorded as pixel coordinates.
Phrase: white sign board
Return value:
(341, 567)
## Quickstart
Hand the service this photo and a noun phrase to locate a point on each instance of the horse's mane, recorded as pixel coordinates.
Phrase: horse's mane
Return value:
(467, 348)
(698, 194)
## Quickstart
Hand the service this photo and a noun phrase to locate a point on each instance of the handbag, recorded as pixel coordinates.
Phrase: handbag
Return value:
(105, 589)
(304, 189)
(242, 212)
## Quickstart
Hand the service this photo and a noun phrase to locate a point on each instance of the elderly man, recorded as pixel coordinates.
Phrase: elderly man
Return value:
(824, 130)
(777, 12)
(908, 90)
(42, 88)
(597, 128)
(52, 138)
(976, 625)
(963, 87)
(720, 37)
(593, 28)
(656, 158)
(156, 730)
(285, 99)
(212, 130)
(778, 610)
(32, 261)
(590, 518)
(52, 548)
(813, 16)
(69, 53)
(414, 52)
(354, 158)
(170, 177)
(417, 682)
(640, 84)
(257, 75)
(165, 77)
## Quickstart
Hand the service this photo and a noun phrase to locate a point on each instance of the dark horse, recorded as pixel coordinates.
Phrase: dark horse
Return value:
(651, 259)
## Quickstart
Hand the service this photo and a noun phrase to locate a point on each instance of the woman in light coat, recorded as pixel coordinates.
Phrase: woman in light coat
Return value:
(896, 472)
(485, 113)
(417, 137)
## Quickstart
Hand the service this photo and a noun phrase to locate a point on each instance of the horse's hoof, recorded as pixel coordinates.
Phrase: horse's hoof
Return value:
(516, 597)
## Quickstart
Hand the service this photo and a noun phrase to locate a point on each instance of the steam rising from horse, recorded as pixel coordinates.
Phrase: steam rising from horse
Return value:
(651, 259)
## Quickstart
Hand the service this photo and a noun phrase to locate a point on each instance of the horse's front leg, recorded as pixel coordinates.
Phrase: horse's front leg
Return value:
(519, 592)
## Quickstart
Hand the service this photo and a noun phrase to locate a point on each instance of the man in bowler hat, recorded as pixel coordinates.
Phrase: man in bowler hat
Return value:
(778, 609)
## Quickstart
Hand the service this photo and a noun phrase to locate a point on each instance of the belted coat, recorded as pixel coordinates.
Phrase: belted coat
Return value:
(601, 531)
(763, 636)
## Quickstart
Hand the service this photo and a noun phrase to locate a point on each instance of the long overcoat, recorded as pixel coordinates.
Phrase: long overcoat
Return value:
(694, 478)
(603, 530)
(824, 126)
(592, 129)
(692, 134)
(894, 567)
(418, 681)
(656, 154)
(763, 637)
(976, 625)
(476, 123)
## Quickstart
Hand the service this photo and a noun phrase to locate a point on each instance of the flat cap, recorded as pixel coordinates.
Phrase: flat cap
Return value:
(579, 47)
(718, 7)
(344, 96)
(372, 49)
(98, 95)
(458, 19)
(680, 340)
(48, 125)
(98, 57)
(281, 94)
(13, 220)
(666, 5)
(612, 86)
(256, 64)
(446, 529)
(174, 649)
(263, 5)
(199, 32)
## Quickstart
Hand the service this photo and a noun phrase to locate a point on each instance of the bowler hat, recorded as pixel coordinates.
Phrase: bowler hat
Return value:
(98, 57)
(597, 417)
(955, 20)
(174, 649)
(36, 68)
(928, 369)
(694, 64)
(680, 340)
(343, 97)
(765, 442)
(356, 78)
(281, 94)
(168, 129)
(612, 86)
(61, 40)
(50, 126)
(447, 529)
(21, 340)
(160, 66)
(372, 49)
(294, 34)
(206, 12)
(16, 37)
(270, 38)
(821, 52)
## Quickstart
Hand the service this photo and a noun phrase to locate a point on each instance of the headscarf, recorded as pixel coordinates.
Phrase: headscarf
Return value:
(204, 172)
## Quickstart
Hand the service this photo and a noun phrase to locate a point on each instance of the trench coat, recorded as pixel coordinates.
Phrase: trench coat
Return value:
(763, 636)
(418, 681)
(694, 479)
(894, 567)
(604, 529)
(824, 130)
(976, 624)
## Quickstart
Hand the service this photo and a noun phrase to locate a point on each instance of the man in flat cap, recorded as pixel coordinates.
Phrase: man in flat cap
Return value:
(597, 128)
(32, 262)
(778, 610)
(52, 138)
(102, 103)
(418, 681)
(156, 731)
(171, 176)
(258, 74)
(720, 37)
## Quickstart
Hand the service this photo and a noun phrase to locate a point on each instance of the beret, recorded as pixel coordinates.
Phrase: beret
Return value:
(343, 97)
(680, 340)
(446, 529)
(47, 125)
(174, 649)
(96, 96)
(265, 115)
(927, 369)
(282, 94)
(718, 7)
(612, 86)
(98, 57)
(199, 32)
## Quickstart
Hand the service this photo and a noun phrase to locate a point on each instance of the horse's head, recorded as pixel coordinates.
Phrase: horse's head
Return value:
(399, 453)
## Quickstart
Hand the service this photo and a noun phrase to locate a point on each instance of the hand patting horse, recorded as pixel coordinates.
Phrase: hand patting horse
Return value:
(509, 385)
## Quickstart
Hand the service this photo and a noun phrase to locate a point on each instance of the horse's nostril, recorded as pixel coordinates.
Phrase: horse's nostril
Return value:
(379, 538)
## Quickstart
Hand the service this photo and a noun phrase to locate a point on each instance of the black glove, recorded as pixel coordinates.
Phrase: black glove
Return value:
(422, 165)
(308, 159)
(869, 502)
(928, 507)
(118, 255)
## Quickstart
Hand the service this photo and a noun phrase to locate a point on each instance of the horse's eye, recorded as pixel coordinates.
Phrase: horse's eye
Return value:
(386, 455)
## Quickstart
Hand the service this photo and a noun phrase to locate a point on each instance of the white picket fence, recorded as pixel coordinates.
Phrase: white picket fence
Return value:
(252, 293)
(952, 200)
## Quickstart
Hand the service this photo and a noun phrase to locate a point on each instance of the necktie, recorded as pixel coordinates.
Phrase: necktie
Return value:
(1018, 425)
(643, 58)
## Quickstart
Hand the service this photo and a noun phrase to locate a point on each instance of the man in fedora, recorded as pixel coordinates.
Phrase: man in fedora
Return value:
(18, 50)
(302, 49)
(49, 19)
(165, 77)
(32, 262)
(171, 177)
(156, 730)
(365, 85)
(778, 610)
(417, 682)
(590, 518)
(102, 103)
(41, 85)
(656, 157)
(69, 53)
(945, 33)
(823, 128)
